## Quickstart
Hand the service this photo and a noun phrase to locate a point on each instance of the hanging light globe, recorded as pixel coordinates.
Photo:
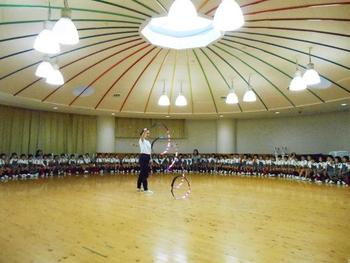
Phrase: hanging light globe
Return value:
(228, 16)
(44, 69)
(297, 83)
(163, 100)
(47, 42)
(66, 31)
(55, 77)
(249, 96)
(231, 98)
(181, 100)
(311, 76)
(185, 7)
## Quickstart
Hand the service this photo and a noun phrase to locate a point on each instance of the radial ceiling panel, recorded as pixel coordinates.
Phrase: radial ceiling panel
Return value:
(113, 69)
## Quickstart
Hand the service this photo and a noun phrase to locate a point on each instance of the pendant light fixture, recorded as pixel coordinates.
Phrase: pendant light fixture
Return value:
(311, 76)
(232, 97)
(181, 99)
(45, 68)
(297, 83)
(249, 95)
(163, 99)
(65, 29)
(55, 77)
(228, 16)
(46, 42)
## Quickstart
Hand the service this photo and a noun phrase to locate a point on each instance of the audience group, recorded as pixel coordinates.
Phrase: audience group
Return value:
(312, 168)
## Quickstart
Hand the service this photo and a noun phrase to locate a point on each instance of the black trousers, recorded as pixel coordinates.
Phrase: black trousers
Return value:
(144, 171)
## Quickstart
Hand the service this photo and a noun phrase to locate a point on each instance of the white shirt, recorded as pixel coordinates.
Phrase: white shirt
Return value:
(61, 160)
(22, 161)
(38, 161)
(145, 146)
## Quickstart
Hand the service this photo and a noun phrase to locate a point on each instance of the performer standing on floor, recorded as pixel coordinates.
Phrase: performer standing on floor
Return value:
(145, 157)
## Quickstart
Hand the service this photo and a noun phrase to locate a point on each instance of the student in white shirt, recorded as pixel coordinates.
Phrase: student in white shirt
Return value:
(345, 172)
(23, 166)
(145, 157)
(3, 170)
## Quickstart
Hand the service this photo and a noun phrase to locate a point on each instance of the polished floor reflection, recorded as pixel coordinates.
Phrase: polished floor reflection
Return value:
(226, 219)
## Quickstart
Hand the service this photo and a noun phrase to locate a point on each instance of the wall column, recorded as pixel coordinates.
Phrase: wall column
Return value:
(226, 136)
(105, 134)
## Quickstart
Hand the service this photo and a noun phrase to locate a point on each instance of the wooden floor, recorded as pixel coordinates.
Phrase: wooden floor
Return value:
(226, 219)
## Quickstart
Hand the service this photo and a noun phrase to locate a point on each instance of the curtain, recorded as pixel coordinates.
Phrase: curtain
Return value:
(25, 131)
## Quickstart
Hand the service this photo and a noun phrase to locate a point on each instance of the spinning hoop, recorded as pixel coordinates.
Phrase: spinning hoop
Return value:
(180, 186)
(167, 137)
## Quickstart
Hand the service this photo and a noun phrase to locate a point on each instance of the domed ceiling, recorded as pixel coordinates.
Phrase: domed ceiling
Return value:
(114, 69)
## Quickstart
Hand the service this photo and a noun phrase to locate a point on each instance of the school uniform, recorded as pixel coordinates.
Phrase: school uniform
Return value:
(99, 164)
(80, 166)
(330, 170)
(261, 164)
(72, 166)
(23, 167)
(3, 169)
(346, 173)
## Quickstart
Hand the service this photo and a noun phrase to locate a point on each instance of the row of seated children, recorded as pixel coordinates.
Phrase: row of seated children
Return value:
(41, 165)
(326, 169)
(323, 169)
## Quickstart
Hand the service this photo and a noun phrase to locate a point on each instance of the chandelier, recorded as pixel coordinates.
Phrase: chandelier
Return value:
(183, 28)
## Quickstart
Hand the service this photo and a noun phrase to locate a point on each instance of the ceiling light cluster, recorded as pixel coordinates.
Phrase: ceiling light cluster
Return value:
(183, 28)
(249, 95)
(164, 100)
(48, 42)
(309, 78)
(298, 83)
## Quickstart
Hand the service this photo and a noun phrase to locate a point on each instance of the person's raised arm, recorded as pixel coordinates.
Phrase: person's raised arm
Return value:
(143, 134)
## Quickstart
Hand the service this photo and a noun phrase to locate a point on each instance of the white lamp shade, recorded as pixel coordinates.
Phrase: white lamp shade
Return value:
(163, 100)
(44, 69)
(47, 42)
(55, 77)
(311, 76)
(66, 31)
(182, 9)
(249, 96)
(231, 98)
(297, 82)
(181, 21)
(228, 16)
(181, 101)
